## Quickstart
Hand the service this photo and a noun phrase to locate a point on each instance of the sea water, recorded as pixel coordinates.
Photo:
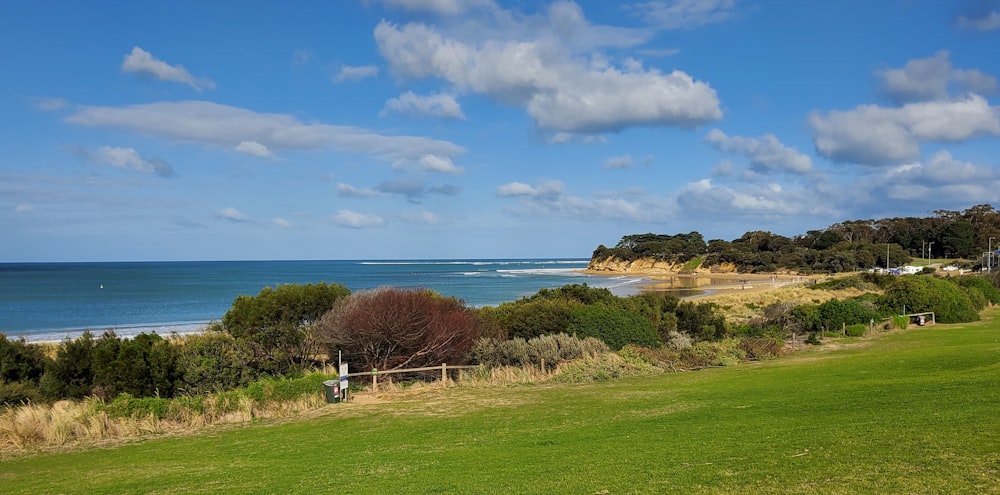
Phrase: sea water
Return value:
(52, 301)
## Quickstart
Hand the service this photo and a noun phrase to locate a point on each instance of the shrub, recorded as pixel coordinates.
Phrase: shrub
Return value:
(530, 318)
(212, 362)
(984, 285)
(701, 321)
(929, 294)
(616, 327)
(835, 314)
(390, 328)
(856, 330)
(976, 297)
(274, 323)
(17, 393)
(20, 361)
(721, 353)
(554, 349)
(757, 348)
(70, 375)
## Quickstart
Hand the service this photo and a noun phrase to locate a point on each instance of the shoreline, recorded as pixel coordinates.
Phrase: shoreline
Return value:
(698, 285)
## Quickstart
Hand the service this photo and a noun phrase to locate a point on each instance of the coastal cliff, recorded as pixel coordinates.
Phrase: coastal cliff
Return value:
(650, 266)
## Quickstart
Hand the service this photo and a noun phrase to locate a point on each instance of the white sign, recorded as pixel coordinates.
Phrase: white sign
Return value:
(343, 376)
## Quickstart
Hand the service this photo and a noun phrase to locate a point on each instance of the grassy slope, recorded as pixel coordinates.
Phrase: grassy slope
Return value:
(910, 413)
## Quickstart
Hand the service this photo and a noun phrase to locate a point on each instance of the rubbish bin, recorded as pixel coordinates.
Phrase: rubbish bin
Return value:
(332, 390)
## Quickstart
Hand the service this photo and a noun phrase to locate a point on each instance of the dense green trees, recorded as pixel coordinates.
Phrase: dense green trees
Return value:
(843, 247)
(917, 294)
(273, 324)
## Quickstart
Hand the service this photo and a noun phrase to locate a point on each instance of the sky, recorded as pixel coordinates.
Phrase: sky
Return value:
(437, 129)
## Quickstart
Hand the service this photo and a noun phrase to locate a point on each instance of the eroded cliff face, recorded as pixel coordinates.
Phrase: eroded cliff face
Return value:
(649, 266)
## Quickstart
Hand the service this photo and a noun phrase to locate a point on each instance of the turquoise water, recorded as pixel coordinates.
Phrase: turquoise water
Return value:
(50, 301)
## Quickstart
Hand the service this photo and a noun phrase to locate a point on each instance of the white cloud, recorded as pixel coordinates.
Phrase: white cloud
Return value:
(684, 14)
(942, 177)
(226, 126)
(440, 105)
(140, 61)
(254, 148)
(301, 57)
(766, 153)
(129, 159)
(988, 21)
(874, 135)
(563, 91)
(705, 199)
(440, 7)
(549, 189)
(618, 162)
(51, 104)
(24, 208)
(355, 220)
(233, 215)
(281, 223)
(349, 191)
(929, 78)
(355, 73)
(434, 163)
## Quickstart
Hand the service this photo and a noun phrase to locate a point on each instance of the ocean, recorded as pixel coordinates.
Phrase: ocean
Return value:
(52, 301)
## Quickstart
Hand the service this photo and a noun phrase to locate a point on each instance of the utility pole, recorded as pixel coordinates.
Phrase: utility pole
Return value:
(887, 257)
(929, 244)
(989, 262)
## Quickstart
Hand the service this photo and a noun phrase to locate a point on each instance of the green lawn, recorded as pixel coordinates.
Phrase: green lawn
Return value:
(914, 412)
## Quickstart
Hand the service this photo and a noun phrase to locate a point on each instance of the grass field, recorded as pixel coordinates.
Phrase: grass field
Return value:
(912, 412)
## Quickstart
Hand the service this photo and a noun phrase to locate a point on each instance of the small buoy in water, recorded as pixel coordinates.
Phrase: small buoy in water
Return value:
(102, 286)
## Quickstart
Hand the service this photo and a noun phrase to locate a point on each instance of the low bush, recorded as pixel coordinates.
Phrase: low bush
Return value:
(856, 330)
(757, 348)
(554, 349)
(616, 327)
(17, 393)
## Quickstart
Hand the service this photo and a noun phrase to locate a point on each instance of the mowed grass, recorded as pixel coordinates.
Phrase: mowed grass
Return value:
(913, 412)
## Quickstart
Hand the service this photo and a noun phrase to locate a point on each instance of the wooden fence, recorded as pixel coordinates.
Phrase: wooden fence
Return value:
(443, 368)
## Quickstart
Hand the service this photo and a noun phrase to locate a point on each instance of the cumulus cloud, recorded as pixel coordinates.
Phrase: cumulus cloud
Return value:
(929, 78)
(440, 105)
(141, 62)
(548, 189)
(874, 135)
(983, 21)
(618, 162)
(703, 198)
(355, 73)
(684, 14)
(129, 159)
(766, 153)
(440, 7)
(354, 220)
(550, 199)
(443, 164)
(226, 126)
(942, 176)
(547, 72)
(349, 191)
(233, 215)
(281, 223)
(254, 148)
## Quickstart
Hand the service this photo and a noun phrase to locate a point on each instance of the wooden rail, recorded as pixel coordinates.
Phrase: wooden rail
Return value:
(444, 372)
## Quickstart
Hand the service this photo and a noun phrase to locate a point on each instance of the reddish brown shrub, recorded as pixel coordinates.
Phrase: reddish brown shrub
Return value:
(390, 328)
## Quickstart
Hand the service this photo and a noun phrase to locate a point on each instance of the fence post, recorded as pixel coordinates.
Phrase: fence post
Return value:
(374, 380)
(444, 373)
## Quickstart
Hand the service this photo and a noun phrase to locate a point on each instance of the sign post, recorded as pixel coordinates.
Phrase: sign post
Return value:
(343, 380)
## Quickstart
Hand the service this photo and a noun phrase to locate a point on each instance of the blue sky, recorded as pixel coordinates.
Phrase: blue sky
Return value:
(363, 129)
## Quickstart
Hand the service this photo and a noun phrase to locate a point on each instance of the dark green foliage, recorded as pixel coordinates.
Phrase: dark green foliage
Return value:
(274, 323)
(529, 319)
(615, 327)
(922, 294)
(143, 366)
(581, 293)
(17, 393)
(701, 321)
(70, 374)
(856, 330)
(835, 314)
(976, 297)
(807, 316)
(983, 284)
(658, 307)
(128, 406)
(20, 361)
(212, 362)
(679, 248)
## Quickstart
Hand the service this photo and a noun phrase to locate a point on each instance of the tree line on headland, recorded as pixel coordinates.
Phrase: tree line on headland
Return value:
(842, 247)
(286, 331)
